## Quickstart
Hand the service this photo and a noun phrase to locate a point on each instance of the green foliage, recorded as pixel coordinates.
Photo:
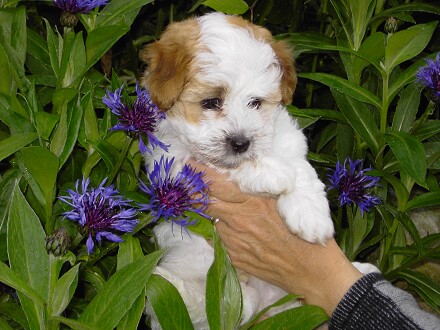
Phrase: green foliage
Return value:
(357, 97)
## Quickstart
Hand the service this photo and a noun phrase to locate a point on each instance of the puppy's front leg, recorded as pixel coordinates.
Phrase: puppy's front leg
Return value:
(305, 208)
(270, 176)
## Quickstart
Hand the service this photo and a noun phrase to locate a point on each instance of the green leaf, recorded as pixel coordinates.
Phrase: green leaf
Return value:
(407, 7)
(319, 113)
(76, 325)
(107, 151)
(223, 291)
(303, 317)
(406, 44)
(12, 279)
(399, 188)
(55, 48)
(165, 300)
(73, 64)
(38, 60)
(344, 141)
(122, 289)
(360, 118)
(66, 133)
(405, 77)
(428, 129)
(14, 143)
(11, 114)
(26, 244)
(129, 251)
(232, 7)
(5, 73)
(133, 316)
(13, 36)
(344, 86)
(373, 49)
(257, 316)
(432, 150)
(5, 325)
(45, 123)
(326, 135)
(14, 312)
(424, 200)
(361, 12)
(410, 227)
(425, 286)
(27, 255)
(100, 40)
(203, 227)
(410, 154)
(40, 167)
(120, 12)
(406, 109)
(64, 289)
(7, 185)
(91, 130)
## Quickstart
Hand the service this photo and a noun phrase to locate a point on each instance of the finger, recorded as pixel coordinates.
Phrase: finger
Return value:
(219, 209)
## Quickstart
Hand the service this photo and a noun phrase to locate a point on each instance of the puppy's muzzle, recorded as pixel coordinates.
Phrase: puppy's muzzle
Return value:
(239, 144)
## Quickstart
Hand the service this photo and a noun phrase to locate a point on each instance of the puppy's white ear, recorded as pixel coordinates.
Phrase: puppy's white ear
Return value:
(289, 79)
(169, 62)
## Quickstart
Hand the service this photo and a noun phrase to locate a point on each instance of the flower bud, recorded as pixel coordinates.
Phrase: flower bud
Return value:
(58, 243)
(68, 19)
(391, 25)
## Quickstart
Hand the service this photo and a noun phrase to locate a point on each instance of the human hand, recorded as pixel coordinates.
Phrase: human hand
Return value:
(259, 243)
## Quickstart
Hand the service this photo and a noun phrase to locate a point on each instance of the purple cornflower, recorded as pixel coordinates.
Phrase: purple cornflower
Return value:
(100, 211)
(78, 6)
(352, 185)
(429, 75)
(139, 118)
(172, 197)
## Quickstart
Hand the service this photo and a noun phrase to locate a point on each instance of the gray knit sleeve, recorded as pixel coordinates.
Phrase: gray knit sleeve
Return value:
(373, 303)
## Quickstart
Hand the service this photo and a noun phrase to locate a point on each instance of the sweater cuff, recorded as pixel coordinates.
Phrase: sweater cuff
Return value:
(353, 297)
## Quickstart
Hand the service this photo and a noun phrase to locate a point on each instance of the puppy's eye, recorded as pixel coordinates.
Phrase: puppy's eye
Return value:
(211, 104)
(255, 103)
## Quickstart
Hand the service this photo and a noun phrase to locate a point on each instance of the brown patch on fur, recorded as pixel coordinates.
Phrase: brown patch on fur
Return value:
(170, 62)
(282, 51)
(188, 104)
(257, 31)
(190, 111)
(289, 80)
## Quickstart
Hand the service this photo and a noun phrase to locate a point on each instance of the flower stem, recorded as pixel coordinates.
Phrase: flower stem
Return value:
(121, 159)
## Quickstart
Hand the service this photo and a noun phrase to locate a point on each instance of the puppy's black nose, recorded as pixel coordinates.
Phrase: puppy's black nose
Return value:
(239, 144)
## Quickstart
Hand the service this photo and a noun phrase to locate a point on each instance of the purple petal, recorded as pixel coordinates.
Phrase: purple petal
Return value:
(90, 244)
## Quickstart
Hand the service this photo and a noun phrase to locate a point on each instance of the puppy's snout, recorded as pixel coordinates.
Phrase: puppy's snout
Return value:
(239, 144)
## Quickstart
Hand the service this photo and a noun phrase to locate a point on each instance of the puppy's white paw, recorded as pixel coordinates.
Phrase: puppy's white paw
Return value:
(308, 218)
(365, 268)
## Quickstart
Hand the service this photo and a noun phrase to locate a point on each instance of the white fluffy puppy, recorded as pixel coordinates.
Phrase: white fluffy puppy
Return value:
(224, 83)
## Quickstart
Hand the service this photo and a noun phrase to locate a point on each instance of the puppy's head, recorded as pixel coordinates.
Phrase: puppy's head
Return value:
(220, 79)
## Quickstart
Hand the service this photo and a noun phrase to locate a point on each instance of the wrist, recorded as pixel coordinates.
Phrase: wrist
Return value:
(328, 276)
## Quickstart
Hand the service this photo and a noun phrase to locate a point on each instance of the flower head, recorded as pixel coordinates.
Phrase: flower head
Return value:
(353, 185)
(429, 75)
(172, 197)
(100, 211)
(78, 6)
(139, 118)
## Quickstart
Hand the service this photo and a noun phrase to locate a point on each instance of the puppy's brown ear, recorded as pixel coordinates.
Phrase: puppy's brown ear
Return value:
(169, 62)
(289, 80)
